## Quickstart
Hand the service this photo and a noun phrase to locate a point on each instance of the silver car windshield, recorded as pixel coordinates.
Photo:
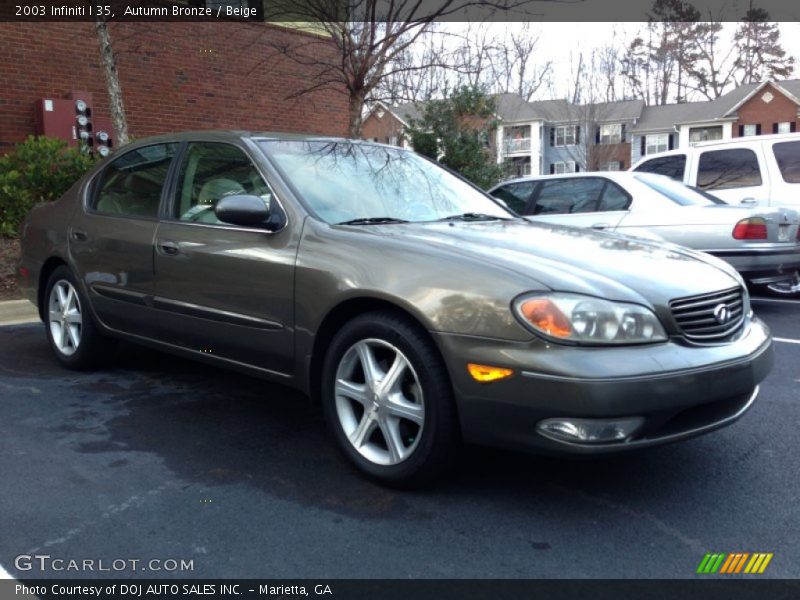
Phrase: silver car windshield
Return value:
(678, 192)
(367, 183)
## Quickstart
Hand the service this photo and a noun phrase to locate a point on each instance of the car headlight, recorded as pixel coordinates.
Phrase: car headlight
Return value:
(587, 320)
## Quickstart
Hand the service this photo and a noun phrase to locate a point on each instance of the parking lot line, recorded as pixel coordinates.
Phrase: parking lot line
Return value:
(786, 340)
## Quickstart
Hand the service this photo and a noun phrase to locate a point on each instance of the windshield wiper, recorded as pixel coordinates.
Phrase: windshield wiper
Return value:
(372, 221)
(473, 216)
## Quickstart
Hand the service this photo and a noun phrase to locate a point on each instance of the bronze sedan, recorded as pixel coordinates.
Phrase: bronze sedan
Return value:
(420, 311)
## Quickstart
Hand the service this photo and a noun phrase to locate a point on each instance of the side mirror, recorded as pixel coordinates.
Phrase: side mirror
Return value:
(249, 211)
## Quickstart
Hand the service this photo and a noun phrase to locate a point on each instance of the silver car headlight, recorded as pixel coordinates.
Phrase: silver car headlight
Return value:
(582, 319)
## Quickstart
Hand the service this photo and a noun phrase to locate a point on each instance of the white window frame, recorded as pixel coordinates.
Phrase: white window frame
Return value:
(656, 142)
(611, 133)
(560, 168)
(785, 127)
(567, 135)
(695, 134)
(749, 130)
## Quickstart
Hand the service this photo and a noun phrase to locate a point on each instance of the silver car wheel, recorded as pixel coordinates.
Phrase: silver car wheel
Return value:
(379, 402)
(64, 315)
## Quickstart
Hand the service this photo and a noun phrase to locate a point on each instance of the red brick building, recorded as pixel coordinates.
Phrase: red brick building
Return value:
(174, 76)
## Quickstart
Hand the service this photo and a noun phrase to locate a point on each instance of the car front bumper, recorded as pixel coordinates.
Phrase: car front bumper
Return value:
(678, 389)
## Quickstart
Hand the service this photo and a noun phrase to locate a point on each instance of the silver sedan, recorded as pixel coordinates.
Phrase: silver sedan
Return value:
(763, 244)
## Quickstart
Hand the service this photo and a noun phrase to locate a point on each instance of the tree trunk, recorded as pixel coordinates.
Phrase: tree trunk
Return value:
(109, 62)
(355, 114)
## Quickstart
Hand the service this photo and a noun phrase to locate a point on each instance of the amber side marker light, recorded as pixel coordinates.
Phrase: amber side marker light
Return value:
(487, 373)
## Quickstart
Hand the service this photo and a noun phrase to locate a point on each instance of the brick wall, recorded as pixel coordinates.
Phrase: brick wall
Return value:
(174, 76)
(757, 112)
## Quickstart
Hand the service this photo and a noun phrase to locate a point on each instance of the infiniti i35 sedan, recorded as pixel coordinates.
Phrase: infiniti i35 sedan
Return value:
(419, 310)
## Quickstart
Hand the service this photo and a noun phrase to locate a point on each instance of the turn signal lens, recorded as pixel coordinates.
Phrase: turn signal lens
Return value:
(486, 373)
(543, 314)
(754, 228)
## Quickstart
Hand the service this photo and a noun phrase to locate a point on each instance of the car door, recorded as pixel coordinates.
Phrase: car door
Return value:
(111, 238)
(785, 184)
(593, 202)
(222, 289)
(735, 175)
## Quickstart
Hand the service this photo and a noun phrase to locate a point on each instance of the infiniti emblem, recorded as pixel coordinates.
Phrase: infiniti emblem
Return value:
(722, 313)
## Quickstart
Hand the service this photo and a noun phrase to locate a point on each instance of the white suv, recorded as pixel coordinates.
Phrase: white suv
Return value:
(758, 170)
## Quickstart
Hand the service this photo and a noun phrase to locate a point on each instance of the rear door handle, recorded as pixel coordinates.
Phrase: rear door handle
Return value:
(600, 226)
(79, 236)
(168, 248)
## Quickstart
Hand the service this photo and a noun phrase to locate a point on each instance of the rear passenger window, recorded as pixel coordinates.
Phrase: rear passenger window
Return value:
(725, 169)
(515, 195)
(562, 196)
(787, 155)
(671, 166)
(614, 198)
(131, 184)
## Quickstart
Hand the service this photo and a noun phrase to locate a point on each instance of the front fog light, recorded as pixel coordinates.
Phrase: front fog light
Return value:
(590, 431)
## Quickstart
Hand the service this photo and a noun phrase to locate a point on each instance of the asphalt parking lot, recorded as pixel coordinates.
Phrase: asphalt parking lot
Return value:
(160, 458)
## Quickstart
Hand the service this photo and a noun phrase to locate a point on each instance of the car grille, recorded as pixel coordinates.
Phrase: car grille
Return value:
(701, 318)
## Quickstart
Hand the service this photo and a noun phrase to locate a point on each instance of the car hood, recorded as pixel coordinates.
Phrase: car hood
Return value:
(571, 259)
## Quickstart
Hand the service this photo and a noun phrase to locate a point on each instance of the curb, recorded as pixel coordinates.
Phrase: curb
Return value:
(18, 312)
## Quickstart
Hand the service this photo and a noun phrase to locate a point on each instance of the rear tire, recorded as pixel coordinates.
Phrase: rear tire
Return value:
(71, 330)
(388, 400)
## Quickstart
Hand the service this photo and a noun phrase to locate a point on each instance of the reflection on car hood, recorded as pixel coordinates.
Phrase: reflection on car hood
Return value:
(576, 260)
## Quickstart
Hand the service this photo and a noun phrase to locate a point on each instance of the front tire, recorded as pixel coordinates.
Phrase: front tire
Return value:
(71, 331)
(388, 400)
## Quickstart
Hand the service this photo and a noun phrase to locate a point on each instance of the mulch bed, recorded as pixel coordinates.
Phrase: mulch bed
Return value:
(9, 253)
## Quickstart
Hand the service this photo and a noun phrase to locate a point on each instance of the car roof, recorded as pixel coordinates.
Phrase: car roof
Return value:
(229, 134)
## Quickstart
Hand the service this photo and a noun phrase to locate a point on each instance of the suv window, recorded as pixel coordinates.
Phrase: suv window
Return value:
(131, 184)
(671, 166)
(724, 169)
(211, 171)
(515, 195)
(561, 196)
(787, 155)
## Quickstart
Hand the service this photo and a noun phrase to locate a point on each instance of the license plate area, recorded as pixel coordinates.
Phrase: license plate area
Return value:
(783, 233)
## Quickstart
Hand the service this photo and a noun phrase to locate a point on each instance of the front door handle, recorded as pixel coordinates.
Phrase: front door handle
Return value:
(79, 236)
(600, 226)
(168, 248)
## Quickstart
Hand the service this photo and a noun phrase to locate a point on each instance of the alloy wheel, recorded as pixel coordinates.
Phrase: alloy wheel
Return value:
(64, 316)
(379, 402)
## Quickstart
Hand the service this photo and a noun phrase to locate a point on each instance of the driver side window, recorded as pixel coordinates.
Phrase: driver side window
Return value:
(211, 171)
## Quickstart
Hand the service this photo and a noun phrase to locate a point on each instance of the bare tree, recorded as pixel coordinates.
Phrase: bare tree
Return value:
(712, 70)
(363, 38)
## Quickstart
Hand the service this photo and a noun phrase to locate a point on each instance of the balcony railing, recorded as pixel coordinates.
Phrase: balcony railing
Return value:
(517, 145)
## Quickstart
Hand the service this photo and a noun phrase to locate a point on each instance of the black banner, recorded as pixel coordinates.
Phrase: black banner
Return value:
(403, 589)
(316, 11)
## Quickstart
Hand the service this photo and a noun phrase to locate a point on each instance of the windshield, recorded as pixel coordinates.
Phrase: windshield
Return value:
(351, 181)
(677, 192)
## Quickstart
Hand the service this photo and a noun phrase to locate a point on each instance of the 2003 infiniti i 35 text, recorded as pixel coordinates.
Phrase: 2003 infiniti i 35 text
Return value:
(420, 311)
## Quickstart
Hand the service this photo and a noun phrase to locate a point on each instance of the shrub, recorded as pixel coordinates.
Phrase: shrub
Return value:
(40, 169)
